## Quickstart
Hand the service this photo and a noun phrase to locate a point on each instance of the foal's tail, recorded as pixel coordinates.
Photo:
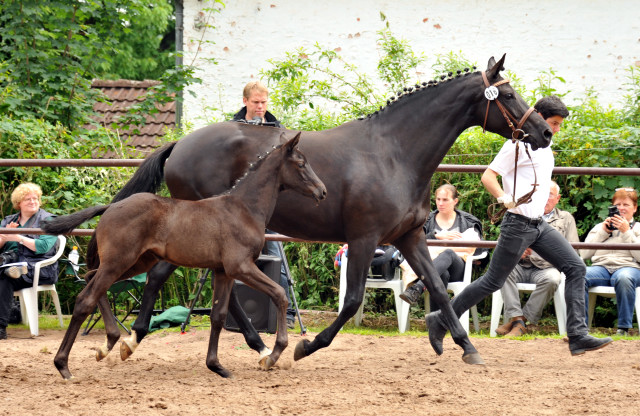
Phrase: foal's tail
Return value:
(66, 223)
(149, 175)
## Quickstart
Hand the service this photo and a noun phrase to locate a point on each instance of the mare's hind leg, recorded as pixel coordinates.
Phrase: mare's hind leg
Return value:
(110, 324)
(360, 256)
(85, 304)
(156, 278)
(220, 302)
(414, 248)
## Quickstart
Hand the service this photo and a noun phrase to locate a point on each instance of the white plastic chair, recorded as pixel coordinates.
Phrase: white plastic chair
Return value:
(402, 308)
(457, 287)
(497, 304)
(29, 296)
(608, 292)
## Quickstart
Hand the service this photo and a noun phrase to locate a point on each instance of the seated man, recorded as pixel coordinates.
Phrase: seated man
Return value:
(534, 269)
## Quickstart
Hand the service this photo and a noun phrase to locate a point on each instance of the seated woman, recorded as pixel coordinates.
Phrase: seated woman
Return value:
(24, 248)
(446, 223)
(617, 268)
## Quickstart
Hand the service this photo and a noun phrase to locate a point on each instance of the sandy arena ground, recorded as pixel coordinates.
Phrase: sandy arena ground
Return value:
(356, 375)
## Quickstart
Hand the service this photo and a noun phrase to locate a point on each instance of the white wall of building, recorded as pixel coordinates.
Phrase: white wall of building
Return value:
(589, 43)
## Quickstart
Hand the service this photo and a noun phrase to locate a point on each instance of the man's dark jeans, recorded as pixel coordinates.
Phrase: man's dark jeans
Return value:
(518, 232)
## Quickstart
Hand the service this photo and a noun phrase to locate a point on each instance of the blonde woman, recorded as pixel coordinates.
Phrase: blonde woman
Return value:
(26, 199)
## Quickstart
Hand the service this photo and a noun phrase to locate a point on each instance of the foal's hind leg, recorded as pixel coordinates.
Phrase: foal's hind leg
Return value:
(220, 302)
(85, 304)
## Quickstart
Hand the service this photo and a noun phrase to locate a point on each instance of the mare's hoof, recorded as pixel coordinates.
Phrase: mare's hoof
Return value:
(436, 332)
(473, 358)
(300, 351)
(267, 362)
(222, 372)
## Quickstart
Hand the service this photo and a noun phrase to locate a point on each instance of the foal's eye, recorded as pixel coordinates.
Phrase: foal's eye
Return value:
(509, 95)
(301, 164)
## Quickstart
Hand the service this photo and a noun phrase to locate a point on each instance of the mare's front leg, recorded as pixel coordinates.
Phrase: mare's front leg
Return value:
(156, 278)
(220, 302)
(85, 304)
(414, 249)
(360, 256)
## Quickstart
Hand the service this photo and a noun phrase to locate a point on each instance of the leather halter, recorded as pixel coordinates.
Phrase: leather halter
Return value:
(515, 129)
(515, 137)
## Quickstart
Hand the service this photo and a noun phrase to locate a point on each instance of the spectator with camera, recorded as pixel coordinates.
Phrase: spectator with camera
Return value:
(617, 268)
(28, 249)
(255, 97)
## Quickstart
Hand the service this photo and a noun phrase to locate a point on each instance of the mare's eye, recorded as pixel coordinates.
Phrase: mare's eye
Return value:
(509, 96)
(301, 164)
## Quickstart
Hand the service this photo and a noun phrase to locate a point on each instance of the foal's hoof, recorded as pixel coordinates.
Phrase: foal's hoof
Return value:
(473, 358)
(125, 351)
(267, 362)
(300, 352)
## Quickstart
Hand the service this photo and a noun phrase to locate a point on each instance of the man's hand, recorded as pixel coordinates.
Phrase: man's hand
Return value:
(507, 201)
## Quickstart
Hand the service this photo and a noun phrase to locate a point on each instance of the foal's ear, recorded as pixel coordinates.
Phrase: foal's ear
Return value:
(291, 144)
(494, 68)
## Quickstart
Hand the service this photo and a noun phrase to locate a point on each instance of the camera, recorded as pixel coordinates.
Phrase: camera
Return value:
(8, 257)
(613, 210)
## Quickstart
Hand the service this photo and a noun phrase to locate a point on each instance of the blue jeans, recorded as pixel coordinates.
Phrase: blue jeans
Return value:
(516, 234)
(624, 280)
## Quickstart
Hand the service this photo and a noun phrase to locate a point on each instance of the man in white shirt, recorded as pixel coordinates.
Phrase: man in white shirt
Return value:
(523, 227)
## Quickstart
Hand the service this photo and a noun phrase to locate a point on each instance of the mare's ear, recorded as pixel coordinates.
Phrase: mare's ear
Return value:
(291, 144)
(493, 68)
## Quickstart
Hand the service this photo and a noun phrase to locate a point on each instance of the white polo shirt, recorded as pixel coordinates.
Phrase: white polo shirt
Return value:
(542, 160)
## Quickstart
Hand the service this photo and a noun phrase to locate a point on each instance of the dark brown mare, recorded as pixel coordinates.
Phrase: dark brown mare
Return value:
(377, 172)
(223, 233)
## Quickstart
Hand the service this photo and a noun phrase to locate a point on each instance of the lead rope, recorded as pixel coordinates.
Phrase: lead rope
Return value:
(524, 199)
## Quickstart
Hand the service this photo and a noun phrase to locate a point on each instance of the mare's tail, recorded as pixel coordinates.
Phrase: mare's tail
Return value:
(149, 175)
(66, 223)
(147, 178)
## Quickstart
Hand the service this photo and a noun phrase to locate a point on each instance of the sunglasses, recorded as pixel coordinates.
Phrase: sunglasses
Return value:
(625, 189)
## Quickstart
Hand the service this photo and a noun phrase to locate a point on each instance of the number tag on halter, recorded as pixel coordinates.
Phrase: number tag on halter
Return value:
(491, 93)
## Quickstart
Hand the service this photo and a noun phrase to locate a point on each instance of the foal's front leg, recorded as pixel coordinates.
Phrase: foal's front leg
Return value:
(251, 275)
(221, 292)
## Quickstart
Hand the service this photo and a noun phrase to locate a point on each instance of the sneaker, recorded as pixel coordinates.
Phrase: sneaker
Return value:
(582, 343)
(291, 322)
(413, 293)
(623, 332)
(3, 332)
(15, 272)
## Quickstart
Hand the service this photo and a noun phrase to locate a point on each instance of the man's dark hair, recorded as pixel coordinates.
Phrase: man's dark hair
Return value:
(551, 106)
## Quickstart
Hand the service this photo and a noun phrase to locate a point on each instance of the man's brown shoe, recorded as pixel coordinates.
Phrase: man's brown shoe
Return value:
(504, 328)
(518, 328)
